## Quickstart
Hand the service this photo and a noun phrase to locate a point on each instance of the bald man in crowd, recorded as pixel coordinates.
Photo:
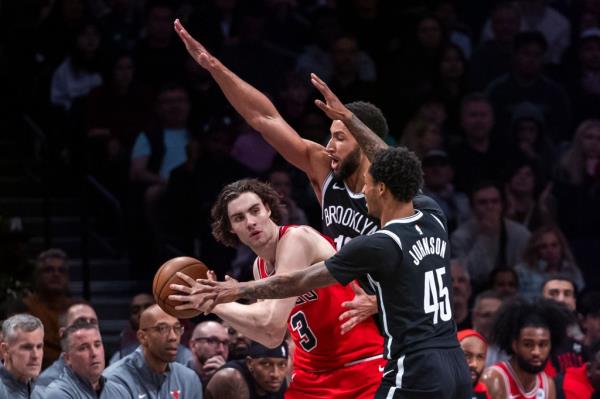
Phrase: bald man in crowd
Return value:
(76, 312)
(210, 347)
(22, 351)
(150, 372)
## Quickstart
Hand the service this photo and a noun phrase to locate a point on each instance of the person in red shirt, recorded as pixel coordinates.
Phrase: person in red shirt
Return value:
(584, 382)
(475, 347)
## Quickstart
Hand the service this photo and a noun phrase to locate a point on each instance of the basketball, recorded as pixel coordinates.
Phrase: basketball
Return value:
(165, 276)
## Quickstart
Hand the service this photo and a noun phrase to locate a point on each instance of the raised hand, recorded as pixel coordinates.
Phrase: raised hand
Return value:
(361, 308)
(332, 106)
(196, 50)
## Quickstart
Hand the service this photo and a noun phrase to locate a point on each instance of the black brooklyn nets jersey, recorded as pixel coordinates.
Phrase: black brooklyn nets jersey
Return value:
(345, 213)
(407, 263)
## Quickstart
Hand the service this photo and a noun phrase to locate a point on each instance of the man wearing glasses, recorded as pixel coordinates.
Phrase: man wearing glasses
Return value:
(150, 372)
(210, 348)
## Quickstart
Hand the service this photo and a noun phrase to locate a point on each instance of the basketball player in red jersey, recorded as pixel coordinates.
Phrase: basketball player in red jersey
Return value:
(528, 333)
(327, 363)
(335, 171)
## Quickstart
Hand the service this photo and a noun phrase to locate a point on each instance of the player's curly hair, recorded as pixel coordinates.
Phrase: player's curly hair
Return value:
(400, 170)
(370, 115)
(517, 314)
(221, 227)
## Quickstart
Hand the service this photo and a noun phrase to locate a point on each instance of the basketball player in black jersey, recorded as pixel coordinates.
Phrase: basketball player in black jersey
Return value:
(336, 171)
(407, 263)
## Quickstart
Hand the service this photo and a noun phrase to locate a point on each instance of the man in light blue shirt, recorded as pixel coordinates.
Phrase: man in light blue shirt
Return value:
(151, 372)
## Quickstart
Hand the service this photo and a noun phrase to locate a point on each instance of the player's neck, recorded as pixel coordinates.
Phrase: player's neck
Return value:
(268, 250)
(392, 209)
(526, 379)
(356, 180)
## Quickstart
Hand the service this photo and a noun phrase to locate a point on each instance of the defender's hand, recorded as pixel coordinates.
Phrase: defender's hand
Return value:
(361, 308)
(332, 106)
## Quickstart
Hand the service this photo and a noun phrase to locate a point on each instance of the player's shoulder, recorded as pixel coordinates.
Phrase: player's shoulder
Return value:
(301, 233)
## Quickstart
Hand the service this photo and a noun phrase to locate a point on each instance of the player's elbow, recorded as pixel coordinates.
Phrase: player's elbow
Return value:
(275, 333)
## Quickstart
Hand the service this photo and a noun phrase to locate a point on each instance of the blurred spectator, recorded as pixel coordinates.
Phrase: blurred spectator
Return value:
(461, 294)
(583, 82)
(116, 113)
(238, 343)
(128, 336)
(475, 155)
(151, 369)
(577, 196)
(346, 81)
(122, 24)
(488, 240)
(568, 353)
(210, 348)
(528, 333)
(294, 98)
(268, 61)
(485, 307)
(438, 176)
(527, 201)
(458, 33)
(252, 151)
(159, 150)
(505, 281)
(547, 252)
(84, 358)
(583, 382)
(537, 16)
(528, 138)
(474, 345)
(21, 348)
(285, 27)
(291, 214)
(422, 136)
(260, 375)
(216, 23)
(526, 82)
(75, 313)
(50, 298)
(492, 58)
(450, 82)
(589, 310)
(159, 55)
(79, 73)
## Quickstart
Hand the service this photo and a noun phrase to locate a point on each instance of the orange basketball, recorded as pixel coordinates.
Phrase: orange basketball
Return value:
(165, 276)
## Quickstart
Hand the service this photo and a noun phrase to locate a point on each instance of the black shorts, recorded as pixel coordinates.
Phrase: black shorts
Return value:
(431, 373)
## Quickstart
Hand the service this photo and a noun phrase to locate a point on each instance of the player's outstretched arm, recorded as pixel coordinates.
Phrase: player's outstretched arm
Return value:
(260, 113)
(369, 142)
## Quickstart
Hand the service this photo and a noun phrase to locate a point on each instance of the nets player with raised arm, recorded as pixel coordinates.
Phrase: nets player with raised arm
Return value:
(327, 363)
(335, 171)
(407, 263)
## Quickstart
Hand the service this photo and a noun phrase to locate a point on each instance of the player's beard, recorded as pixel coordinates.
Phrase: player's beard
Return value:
(477, 375)
(349, 165)
(528, 367)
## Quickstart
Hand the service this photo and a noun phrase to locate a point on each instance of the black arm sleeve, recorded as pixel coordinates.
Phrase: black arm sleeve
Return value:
(376, 254)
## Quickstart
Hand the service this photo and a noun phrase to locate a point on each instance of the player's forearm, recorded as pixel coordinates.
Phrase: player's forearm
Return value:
(369, 142)
(251, 321)
(288, 285)
(249, 102)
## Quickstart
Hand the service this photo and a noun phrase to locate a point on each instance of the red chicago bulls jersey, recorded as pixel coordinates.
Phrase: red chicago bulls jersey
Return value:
(316, 330)
(514, 388)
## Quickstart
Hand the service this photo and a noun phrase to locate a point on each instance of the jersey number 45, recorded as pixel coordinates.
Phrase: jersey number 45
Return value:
(436, 298)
